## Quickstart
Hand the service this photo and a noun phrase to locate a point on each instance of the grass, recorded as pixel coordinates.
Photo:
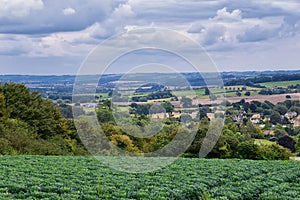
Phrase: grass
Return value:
(87, 110)
(189, 93)
(159, 100)
(284, 84)
(263, 142)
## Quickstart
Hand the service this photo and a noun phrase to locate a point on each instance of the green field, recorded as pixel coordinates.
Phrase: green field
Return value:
(263, 142)
(50, 177)
(280, 84)
(239, 87)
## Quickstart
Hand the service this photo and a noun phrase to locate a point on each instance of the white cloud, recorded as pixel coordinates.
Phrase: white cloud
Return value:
(19, 8)
(226, 30)
(69, 11)
(223, 14)
(124, 10)
(116, 22)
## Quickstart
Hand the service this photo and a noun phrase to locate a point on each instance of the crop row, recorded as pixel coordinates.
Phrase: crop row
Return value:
(50, 177)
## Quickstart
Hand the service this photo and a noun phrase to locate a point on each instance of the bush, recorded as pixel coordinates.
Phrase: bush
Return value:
(273, 152)
(248, 150)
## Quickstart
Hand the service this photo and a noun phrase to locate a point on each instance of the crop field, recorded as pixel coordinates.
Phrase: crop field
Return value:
(280, 84)
(43, 177)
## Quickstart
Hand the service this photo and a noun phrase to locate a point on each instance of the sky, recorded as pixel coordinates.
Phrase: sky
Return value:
(56, 36)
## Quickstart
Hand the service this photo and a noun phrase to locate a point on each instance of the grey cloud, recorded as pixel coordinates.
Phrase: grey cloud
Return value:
(51, 18)
(257, 33)
(196, 28)
(213, 34)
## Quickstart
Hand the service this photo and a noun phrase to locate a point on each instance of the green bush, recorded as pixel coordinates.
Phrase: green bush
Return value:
(273, 152)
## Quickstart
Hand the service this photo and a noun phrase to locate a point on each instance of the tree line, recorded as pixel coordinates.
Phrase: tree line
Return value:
(31, 124)
(254, 82)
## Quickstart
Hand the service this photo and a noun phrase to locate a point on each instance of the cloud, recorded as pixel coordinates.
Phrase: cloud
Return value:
(227, 29)
(223, 14)
(51, 18)
(14, 45)
(69, 11)
(70, 29)
(115, 23)
(19, 8)
(291, 6)
(213, 34)
(257, 33)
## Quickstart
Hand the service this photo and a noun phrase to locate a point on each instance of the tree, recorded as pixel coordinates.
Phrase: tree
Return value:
(238, 94)
(248, 150)
(186, 102)
(281, 108)
(185, 118)
(33, 125)
(287, 142)
(248, 93)
(201, 114)
(168, 107)
(4, 113)
(123, 142)
(67, 111)
(298, 144)
(206, 91)
(251, 130)
(104, 114)
(275, 117)
(295, 109)
(41, 115)
(273, 152)
(253, 107)
(279, 132)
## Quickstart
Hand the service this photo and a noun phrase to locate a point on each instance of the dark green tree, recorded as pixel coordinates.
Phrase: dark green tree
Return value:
(275, 117)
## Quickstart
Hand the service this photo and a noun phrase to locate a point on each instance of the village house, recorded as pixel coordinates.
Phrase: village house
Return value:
(255, 119)
(290, 115)
(176, 114)
(296, 121)
(159, 116)
(238, 118)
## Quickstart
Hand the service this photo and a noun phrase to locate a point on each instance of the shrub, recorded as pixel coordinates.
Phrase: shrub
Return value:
(273, 152)
(248, 150)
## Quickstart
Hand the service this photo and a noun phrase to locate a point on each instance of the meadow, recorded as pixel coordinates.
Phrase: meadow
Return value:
(59, 177)
(284, 84)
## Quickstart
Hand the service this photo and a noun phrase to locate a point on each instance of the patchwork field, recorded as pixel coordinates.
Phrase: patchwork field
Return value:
(43, 177)
(272, 98)
(280, 84)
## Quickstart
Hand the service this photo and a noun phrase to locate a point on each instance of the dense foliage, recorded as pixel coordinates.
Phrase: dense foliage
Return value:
(236, 141)
(33, 125)
(38, 177)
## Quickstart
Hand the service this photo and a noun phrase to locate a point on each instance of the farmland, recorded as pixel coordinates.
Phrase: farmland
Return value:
(280, 84)
(50, 177)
